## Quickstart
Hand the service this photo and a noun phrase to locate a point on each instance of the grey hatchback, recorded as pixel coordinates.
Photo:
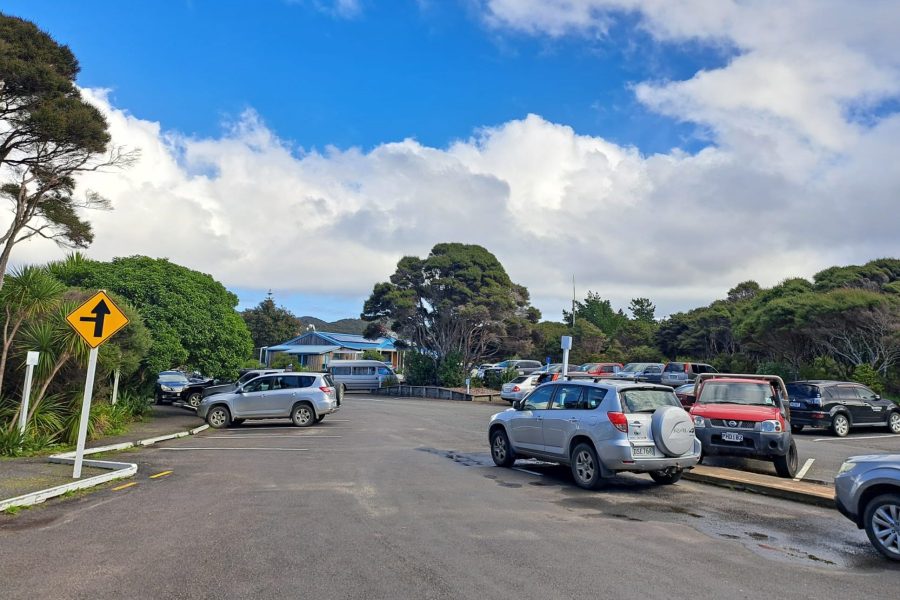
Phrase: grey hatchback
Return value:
(303, 397)
(867, 491)
(598, 429)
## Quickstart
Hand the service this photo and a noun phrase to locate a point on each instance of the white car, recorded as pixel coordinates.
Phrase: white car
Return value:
(479, 371)
(519, 387)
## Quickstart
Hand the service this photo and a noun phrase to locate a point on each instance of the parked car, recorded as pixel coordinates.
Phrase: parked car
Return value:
(745, 415)
(635, 371)
(685, 394)
(549, 373)
(303, 397)
(680, 373)
(228, 387)
(601, 369)
(598, 429)
(479, 370)
(522, 367)
(519, 387)
(652, 374)
(867, 491)
(169, 385)
(839, 406)
(363, 375)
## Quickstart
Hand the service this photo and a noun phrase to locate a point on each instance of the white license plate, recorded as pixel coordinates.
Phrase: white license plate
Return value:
(730, 436)
(643, 451)
(795, 405)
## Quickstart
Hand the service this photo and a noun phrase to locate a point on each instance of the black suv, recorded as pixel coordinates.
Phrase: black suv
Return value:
(839, 405)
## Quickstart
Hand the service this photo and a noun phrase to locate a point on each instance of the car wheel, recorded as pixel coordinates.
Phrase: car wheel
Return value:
(218, 417)
(894, 422)
(666, 477)
(586, 467)
(882, 522)
(786, 466)
(840, 425)
(194, 399)
(796, 428)
(303, 415)
(501, 451)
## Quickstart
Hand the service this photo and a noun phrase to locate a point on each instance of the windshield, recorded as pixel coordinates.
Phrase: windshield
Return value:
(633, 367)
(505, 364)
(755, 394)
(637, 401)
(247, 377)
(802, 390)
(172, 378)
(520, 379)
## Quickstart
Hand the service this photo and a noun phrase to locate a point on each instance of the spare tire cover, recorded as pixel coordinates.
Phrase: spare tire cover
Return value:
(673, 430)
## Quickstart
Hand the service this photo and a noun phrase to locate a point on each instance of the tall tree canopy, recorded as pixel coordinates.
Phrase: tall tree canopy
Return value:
(191, 316)
(48, 135)
(458, 299)
(270, 324)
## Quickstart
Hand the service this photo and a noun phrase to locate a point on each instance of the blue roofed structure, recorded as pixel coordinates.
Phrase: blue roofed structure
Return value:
(315, 349)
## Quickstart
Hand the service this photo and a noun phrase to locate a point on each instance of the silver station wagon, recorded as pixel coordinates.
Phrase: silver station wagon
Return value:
(599, 429)
(305, 398)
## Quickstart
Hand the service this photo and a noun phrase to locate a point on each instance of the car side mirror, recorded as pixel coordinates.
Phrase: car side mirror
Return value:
(878, 396)
(517, 404)
(239, 391)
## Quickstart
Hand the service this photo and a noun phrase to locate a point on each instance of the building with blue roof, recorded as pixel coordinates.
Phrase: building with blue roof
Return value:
(316, 349)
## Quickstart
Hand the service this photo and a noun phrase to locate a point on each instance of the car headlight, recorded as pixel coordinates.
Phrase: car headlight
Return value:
(699, 421)
(846, 467)
(166, 388)
(771, 426)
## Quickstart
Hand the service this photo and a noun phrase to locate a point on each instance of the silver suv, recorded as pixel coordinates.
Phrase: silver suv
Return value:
(598, 429)
(303, 397)
(867, 491)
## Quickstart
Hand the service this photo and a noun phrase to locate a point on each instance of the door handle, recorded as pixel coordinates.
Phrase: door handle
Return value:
(573, 420)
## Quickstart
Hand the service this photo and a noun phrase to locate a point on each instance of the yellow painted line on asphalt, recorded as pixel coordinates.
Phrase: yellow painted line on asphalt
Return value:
(122, 487)
(162, 474)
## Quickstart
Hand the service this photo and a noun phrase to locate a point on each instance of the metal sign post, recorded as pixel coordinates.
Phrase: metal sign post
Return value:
(115, 394)
(85, 412)
(95, 321)
(566, 345)
(31, 360)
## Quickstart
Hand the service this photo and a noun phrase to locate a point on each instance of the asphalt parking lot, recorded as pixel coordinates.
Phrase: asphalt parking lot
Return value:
(397, 498)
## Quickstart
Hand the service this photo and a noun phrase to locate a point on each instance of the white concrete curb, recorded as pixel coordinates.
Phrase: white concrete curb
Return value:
(118, 470)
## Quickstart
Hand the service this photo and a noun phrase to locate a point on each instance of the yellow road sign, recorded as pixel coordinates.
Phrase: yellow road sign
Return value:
(97, 319)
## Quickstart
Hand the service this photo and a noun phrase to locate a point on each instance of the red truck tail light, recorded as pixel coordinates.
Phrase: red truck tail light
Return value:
(619, 421)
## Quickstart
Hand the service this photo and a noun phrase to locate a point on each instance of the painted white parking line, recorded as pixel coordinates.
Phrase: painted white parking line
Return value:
(527, 471)
(802, 472)
(859, 437)
(245, 430)
(248, 449)
(269, 435)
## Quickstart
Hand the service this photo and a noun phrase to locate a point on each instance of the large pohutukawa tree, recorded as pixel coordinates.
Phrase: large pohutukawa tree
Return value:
(48, 136)
(459, 299)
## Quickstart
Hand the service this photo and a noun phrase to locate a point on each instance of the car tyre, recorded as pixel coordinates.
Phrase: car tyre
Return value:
(586, 467)
(218, 417)
(303, 415)
(666, 477)
(501, 451)
(787, 466)
(882, 519)
(840, 425)
(194, 399)
(796, 428)
(894, 422)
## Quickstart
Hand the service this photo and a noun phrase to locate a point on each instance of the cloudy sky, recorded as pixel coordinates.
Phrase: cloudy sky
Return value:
(647, 147)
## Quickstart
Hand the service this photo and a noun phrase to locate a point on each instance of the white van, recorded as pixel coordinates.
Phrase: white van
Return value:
(360, 374)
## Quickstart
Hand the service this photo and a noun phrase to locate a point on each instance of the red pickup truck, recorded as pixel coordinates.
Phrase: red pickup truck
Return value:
(745, 415)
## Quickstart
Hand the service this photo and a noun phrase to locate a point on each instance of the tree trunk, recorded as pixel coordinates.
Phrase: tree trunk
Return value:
(8, 338)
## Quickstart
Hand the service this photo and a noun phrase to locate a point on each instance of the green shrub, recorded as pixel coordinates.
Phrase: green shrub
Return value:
(451, 372)
(420, 369)
(373, 355)
(389, 381)
(869, 377)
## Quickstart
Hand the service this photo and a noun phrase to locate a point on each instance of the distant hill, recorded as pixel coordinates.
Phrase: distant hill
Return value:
(357, 326)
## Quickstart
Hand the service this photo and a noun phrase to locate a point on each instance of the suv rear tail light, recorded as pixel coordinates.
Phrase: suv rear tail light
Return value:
(326, 389)
(619, 421)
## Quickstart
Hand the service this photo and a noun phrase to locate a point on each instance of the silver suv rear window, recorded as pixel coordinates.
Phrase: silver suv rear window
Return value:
(636, 401)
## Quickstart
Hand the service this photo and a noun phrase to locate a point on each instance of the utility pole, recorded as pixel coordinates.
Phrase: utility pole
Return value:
(573, 302)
